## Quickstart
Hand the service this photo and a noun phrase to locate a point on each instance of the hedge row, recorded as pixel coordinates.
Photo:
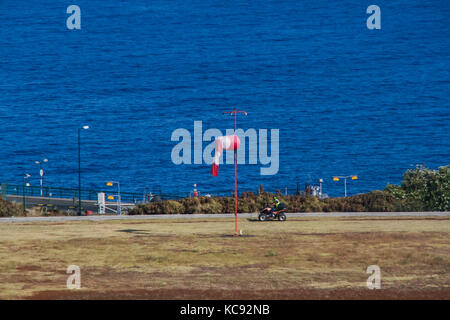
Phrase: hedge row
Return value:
(248, 202)
(421, 190)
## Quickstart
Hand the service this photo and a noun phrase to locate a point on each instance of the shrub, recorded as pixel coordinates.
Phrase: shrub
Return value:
(172, 207)
(8, 209)
(423, 189)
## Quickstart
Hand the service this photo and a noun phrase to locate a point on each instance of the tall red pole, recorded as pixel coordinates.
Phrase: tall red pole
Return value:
(235, 112)
(235, 181)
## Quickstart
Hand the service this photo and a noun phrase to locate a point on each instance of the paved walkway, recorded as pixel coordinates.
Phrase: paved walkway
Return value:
(221, 215)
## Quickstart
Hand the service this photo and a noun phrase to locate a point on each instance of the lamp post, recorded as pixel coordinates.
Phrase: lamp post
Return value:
(79, 167)
(41, 173)
(353, 177)
(320, 188)
(26, 176)
(119, 206)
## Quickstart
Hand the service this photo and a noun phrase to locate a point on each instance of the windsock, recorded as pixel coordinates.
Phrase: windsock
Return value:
(223, 143)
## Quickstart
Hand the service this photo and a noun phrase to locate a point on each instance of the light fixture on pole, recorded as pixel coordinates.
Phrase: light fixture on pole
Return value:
(79, 167)
(41, 174)
(353, 177)
(320, 187)
(119, 206)
(26, 176)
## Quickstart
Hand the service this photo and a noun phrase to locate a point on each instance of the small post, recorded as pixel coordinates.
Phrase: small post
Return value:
(345, 186)
(119, 209)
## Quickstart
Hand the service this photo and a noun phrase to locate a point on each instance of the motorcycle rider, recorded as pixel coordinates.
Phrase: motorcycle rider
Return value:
(276, 203)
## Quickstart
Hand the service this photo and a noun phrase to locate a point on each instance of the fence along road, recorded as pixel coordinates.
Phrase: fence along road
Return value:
(64, 203)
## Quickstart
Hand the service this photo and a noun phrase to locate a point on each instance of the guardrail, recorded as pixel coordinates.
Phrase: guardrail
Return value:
(68, 193)
(90, 194)
(131, 197)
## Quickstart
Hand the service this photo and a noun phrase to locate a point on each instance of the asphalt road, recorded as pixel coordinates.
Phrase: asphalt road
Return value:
(240, 215)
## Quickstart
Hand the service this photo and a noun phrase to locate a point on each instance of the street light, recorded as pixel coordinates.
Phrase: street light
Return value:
(79, 167)
(320, 187)
(119, 206)
(353, 177)
(26, 176)
(41, 173)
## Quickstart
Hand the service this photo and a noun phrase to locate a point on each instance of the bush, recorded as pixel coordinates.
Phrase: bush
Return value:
(8, 209)
(421, 190)
(172, 207)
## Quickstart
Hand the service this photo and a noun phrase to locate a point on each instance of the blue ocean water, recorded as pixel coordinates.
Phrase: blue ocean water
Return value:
(347, 100)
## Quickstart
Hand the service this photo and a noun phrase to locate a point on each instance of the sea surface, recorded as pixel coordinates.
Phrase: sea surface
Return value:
(346, 100)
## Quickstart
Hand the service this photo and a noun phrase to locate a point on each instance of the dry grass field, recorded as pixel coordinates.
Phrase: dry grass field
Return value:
(302, 258)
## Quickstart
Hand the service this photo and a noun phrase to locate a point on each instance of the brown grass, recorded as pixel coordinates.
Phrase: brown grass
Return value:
(299, 258)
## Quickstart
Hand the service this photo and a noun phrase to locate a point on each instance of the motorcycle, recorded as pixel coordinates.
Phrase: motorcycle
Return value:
(266, 214)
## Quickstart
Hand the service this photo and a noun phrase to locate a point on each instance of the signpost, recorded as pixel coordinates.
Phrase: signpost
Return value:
(101, 202)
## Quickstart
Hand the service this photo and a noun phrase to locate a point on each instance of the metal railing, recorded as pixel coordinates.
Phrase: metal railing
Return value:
(130, 197)
(68, 193)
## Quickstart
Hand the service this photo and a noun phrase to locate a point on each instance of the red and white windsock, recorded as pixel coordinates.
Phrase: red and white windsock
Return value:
(223, 143)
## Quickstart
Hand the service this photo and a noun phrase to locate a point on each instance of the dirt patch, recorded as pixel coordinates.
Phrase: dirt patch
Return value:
(323, 259)
(288, 294)
(28, 268)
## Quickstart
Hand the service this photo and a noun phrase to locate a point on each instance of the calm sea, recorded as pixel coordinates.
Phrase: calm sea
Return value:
(347, 100)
